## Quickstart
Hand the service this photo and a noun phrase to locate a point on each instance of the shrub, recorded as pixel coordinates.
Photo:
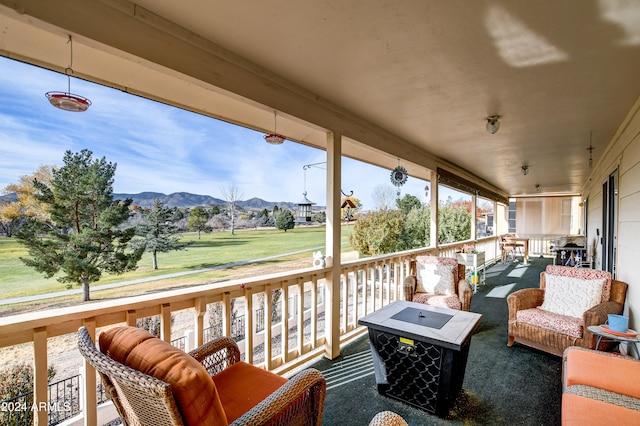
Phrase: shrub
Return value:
(18, 379)
(285, 220)
(379, 232)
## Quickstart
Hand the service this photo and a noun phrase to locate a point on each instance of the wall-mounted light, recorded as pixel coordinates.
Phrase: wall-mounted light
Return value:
(525, 170)
(493, 124)
(537, 187)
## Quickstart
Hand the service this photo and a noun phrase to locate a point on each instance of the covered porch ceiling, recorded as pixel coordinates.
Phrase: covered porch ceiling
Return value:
(410, 79)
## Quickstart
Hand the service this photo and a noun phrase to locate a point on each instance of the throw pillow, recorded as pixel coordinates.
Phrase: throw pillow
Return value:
(434, 278)
(585, 274)
(571, 296)
(192, 387)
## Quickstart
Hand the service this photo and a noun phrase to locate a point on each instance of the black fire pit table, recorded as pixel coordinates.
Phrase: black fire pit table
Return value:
(420, 352)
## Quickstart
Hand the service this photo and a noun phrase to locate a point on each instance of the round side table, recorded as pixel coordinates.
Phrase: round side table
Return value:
(610, 337)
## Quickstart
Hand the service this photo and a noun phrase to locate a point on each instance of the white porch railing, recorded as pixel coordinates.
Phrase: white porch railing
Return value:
(297, 337)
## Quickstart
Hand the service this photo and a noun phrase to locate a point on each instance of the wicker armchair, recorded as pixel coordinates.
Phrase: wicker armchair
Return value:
(554, 333)
(142, 399)
(457, 296)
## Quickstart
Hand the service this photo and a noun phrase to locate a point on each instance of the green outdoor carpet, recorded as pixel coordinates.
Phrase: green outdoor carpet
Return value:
(502, 386)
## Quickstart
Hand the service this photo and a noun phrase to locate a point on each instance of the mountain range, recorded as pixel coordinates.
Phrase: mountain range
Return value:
(185, 199)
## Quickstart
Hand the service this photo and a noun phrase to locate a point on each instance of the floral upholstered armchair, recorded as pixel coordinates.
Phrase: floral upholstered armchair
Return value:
(438, 281)
(556, 315)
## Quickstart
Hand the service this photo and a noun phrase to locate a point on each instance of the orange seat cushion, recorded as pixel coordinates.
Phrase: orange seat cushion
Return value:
(615, 374)
(192, 387)
(580, 411)
(242, 386)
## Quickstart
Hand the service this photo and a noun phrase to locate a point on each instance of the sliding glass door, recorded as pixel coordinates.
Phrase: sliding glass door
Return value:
(609, 222)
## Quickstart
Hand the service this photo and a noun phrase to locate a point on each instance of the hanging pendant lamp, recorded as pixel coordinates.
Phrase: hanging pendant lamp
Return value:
(274, 138)
(67, 101)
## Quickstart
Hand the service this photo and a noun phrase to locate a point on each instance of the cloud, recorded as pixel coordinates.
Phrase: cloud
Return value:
(160, 148)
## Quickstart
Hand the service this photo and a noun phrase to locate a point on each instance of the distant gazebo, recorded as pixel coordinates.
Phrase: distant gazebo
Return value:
(304, 209)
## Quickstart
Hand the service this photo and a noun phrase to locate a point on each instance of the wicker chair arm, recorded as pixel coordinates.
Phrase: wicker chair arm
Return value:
(599, 314)
(526, 298)
(605, 396)
(295, 402)
(409, 287)
(618, 291)
(217, 354)
(465, 293)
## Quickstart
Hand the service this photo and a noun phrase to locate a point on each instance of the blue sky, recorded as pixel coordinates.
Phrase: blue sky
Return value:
(160, 148)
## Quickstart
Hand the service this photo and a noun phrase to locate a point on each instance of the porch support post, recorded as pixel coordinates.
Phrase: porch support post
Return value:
(334, 181)
(434, 212)
(40, 377)
(90, 382)
(474, 212)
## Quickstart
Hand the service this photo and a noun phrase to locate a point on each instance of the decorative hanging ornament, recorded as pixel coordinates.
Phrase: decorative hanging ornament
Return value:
(275, 138)
(67, 101)
(590, 149)
(399, 177)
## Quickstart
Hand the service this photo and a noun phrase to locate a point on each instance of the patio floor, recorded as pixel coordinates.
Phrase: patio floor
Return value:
(502, 386)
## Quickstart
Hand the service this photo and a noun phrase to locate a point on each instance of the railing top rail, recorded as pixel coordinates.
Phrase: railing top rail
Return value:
(19, 328)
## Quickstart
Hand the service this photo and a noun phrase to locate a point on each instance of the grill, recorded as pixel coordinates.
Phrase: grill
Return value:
(571, 250)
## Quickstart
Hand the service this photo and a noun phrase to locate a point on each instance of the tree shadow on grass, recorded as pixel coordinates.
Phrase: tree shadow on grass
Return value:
(218, 243)
(233, 268)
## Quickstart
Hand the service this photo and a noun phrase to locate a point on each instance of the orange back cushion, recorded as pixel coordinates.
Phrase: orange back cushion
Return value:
(615, 374)
(192, 387)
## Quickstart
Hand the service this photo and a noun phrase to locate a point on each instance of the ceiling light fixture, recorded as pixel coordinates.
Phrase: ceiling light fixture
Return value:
(67, 101)
(525, 170)
(493, 124)
(274, 138)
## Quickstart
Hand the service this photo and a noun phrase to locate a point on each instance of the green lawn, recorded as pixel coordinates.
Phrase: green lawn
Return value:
(211, 250)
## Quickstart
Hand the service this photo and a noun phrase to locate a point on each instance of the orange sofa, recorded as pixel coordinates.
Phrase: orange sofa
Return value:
(599, 388)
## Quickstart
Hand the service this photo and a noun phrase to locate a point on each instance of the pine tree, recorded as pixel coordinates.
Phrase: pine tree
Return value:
(83, 236)
(285, 220)
(198, 218)
(159, 232)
